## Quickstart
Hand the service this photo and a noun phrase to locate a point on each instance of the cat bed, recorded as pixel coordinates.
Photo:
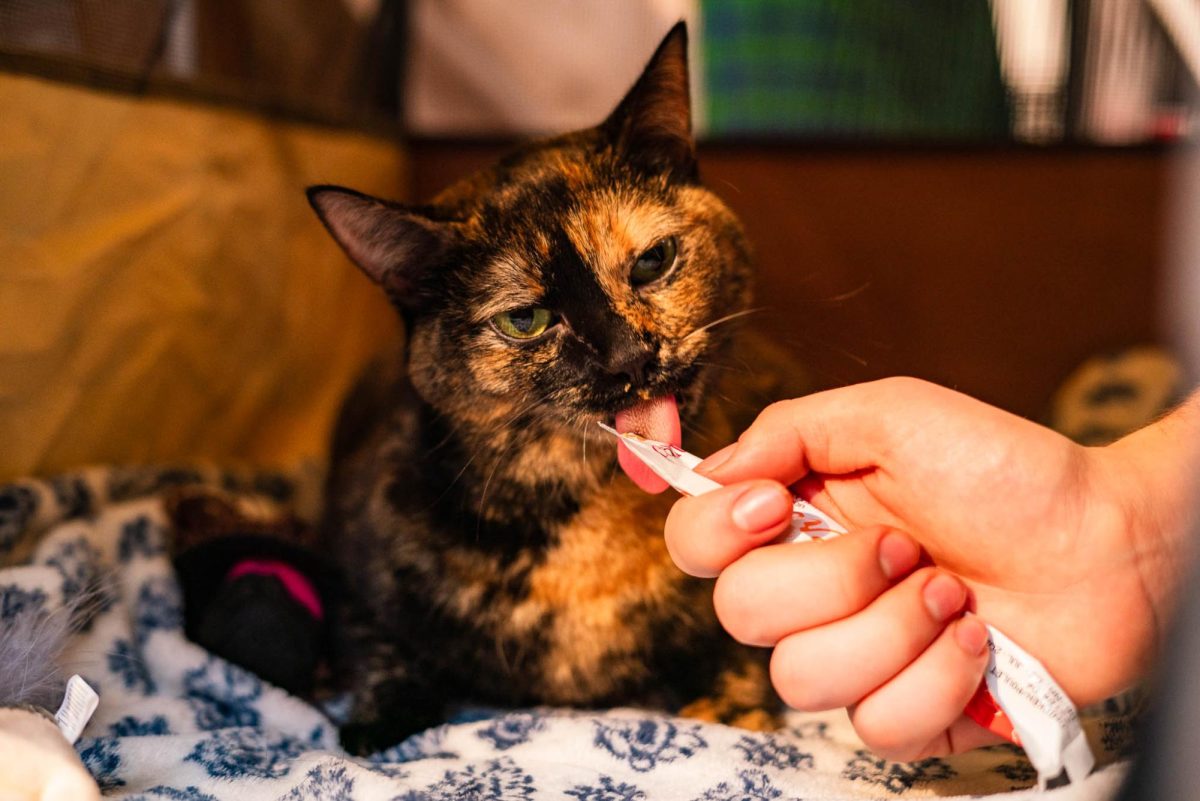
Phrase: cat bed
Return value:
(176, 722)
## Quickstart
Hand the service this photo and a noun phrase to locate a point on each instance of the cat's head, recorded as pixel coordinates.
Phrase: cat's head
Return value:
(574, 279)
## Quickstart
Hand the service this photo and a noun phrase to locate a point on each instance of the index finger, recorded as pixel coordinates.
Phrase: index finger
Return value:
(838, 431)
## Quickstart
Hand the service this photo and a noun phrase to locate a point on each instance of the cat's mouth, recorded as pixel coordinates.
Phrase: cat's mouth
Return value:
(657, 419)
(656, 410)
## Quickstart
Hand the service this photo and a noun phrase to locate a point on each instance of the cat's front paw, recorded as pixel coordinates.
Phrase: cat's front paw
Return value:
(741, 696)
(717, 710)
(389, 708)
(364, 738)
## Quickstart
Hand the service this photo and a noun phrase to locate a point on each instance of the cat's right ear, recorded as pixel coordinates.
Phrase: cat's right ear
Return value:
(392, 244)
(652, 125)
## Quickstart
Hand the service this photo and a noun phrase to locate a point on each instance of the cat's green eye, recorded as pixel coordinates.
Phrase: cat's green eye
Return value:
(523, 323)
(654, 263)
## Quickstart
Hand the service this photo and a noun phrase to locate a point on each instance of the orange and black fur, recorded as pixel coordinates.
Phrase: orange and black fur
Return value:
(495, 554)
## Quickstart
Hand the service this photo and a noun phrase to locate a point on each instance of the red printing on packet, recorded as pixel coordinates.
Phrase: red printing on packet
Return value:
(982, 709)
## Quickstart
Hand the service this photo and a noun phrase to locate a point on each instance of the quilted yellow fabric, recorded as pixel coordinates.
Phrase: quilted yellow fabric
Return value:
(166, 295)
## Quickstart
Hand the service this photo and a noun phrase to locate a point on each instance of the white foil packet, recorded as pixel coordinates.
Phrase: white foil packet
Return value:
(1017, 699)
(676, 467)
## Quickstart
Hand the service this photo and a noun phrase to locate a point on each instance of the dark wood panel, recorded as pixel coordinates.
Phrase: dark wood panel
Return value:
(993, 270)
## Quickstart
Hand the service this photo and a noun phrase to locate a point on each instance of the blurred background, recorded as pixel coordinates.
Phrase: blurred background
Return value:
(977, 193)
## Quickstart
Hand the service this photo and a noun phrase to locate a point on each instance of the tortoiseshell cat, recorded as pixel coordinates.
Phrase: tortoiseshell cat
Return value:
(496, 554)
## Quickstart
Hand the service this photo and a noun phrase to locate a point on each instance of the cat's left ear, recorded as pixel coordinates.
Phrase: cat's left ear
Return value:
(652, 125)
(394, 245)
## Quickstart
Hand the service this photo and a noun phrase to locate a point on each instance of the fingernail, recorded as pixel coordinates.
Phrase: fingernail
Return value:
(760, 508)
(944, 595)
(971, 635)
(715, 460)
(898, 554)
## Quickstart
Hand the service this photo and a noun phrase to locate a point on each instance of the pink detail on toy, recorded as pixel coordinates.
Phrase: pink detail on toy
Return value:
(296, 583)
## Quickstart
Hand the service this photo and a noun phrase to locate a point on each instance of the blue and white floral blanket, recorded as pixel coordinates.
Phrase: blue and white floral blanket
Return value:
(177, 723)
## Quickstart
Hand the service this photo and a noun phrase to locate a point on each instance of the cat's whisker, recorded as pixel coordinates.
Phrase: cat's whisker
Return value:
(736, 404)
(583, 430)
(501, 653)
(503, 425)
(815, 300)
(861, 288)
(719, 366)
(444, 440)
(692, 428)
(456, 478)
(836, 348)
(750, 369)
(689, 428)
(721, 321)
(486, 484)
(498, 461)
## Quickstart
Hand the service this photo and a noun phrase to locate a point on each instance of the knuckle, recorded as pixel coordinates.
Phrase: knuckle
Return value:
(877, 531)
(860, 582)
(902, 385)
(771, 417)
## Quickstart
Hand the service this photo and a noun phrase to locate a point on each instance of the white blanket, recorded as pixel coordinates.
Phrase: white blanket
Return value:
(176, 722)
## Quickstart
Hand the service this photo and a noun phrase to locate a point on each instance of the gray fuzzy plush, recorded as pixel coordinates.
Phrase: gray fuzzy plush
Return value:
(31, 644)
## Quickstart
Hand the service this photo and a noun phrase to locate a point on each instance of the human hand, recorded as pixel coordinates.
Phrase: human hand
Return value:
(1041, 537)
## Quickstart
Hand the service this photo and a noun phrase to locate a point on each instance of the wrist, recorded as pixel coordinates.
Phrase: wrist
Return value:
(1153, 476)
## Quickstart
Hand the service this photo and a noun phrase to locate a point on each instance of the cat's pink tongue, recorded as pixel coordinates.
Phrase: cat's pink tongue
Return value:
(657, 419)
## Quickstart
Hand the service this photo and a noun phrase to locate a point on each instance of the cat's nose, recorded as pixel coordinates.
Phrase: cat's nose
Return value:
(630, 361)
